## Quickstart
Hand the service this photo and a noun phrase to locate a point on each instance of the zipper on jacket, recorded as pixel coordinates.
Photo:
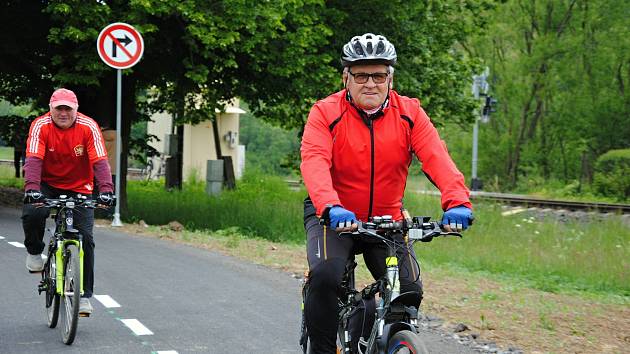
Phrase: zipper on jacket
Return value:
(370, 124)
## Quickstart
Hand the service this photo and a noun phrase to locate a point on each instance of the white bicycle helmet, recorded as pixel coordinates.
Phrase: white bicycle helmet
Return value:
(368, 47)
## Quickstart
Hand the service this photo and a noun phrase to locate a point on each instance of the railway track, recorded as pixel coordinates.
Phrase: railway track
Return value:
(514, 199)
(528, 201)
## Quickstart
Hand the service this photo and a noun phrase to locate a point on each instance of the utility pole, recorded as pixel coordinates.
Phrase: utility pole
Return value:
(480, 88)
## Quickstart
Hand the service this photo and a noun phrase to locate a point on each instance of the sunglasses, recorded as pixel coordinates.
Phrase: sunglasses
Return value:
(361, 78)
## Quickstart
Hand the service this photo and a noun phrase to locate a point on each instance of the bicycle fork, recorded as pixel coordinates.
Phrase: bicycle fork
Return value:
(59, 260)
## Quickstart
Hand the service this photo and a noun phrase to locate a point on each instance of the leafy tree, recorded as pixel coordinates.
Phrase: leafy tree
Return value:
(560, 70)
(279, 56)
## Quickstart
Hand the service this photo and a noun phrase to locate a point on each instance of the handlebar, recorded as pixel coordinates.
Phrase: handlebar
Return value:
(418, 228)
(69, 202)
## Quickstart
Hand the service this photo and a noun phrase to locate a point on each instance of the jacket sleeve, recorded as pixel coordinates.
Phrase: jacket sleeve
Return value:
(316, 152)
(437, 163)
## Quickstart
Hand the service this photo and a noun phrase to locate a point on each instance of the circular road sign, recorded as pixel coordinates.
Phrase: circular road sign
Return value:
(120, 45)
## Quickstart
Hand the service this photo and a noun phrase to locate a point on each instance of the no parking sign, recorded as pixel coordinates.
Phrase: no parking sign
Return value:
(120, 45)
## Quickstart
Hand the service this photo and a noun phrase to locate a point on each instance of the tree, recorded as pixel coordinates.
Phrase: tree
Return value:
(560, 70)
(278, 56)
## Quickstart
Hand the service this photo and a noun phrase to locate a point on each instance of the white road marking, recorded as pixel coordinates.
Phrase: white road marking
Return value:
(138, 328)
(166, 352)
(513, 211)
(1, 237)
(16, 244)
(107, 301)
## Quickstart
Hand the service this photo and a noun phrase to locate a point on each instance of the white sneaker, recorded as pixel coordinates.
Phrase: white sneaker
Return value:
(85, 307)
(34, 263)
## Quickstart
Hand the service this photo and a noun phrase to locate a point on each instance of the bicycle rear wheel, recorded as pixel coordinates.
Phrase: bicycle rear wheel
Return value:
(406, 342)
(71, 292)
(51, 297)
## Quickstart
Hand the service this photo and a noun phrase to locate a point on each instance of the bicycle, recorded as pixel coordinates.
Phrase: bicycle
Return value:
(394, 327)
(62, 274)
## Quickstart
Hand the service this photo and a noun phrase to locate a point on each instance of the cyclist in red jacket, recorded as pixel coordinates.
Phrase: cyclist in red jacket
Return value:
(65, 153)
(356, 150)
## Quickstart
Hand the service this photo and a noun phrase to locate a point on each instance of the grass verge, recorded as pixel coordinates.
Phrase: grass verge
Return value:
(544, 253)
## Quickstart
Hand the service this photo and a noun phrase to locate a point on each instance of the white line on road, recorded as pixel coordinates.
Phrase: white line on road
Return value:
(107, 301)
(1, 237)
(16, 244)
(138, 328)
(166, 352)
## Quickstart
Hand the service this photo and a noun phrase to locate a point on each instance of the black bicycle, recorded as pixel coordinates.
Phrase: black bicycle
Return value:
(62, 279)
(393, 322)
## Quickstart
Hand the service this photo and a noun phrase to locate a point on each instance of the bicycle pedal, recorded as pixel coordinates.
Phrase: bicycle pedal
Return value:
(35, 271)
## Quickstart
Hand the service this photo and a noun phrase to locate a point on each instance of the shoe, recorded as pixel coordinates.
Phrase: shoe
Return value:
(34, 263)
(85, 308)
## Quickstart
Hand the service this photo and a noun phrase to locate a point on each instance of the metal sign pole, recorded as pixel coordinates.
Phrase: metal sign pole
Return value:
(116, 221)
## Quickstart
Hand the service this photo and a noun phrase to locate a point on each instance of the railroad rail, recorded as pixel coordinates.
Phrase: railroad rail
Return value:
(524, 200)
(515, 199)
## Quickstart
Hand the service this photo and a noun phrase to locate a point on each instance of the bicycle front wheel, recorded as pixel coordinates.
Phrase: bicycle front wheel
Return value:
(51, 296)
(406, 342)
(71, 292)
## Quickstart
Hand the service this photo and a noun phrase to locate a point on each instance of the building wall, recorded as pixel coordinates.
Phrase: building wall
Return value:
(199, 143)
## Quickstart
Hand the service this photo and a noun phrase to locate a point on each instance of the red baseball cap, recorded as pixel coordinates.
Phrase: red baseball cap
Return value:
(64, 97)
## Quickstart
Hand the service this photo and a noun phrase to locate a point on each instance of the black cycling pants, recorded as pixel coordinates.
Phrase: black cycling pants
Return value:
(327, 254)
(34, 224)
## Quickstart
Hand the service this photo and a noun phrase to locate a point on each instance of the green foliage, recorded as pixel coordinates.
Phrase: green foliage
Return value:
(267, 146)
(139, 148)
(14, 130)
(612, 174)
(261, 206)
(559, 70)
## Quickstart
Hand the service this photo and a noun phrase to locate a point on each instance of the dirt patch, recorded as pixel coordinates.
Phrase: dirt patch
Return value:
(11, 197)
(509, 315)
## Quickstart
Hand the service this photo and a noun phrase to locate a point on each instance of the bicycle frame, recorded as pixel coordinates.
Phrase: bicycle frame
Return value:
(62, 211)
(393, 315)
(64, 221)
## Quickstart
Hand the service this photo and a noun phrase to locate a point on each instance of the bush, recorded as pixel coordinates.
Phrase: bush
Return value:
(612, 174)
(261, 205)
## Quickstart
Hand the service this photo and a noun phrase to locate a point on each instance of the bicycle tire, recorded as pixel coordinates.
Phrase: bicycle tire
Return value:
(406, 342)
(51, 297)
(71, 292)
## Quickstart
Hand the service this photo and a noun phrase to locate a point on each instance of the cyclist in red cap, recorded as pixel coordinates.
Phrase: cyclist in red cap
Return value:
(65, 153)
(356, 150)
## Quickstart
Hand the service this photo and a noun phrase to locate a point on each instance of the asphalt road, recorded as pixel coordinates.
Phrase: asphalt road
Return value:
(172, 299)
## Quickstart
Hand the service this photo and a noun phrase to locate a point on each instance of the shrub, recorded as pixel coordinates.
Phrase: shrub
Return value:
(612, 174)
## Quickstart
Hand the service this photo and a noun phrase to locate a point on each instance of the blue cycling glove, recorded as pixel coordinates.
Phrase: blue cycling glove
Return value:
(339, 215)
(459, 217)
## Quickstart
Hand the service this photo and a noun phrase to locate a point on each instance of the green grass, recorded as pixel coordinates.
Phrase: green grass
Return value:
(261, 205)
(550, 255)
(7, 177)
(6, 153)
